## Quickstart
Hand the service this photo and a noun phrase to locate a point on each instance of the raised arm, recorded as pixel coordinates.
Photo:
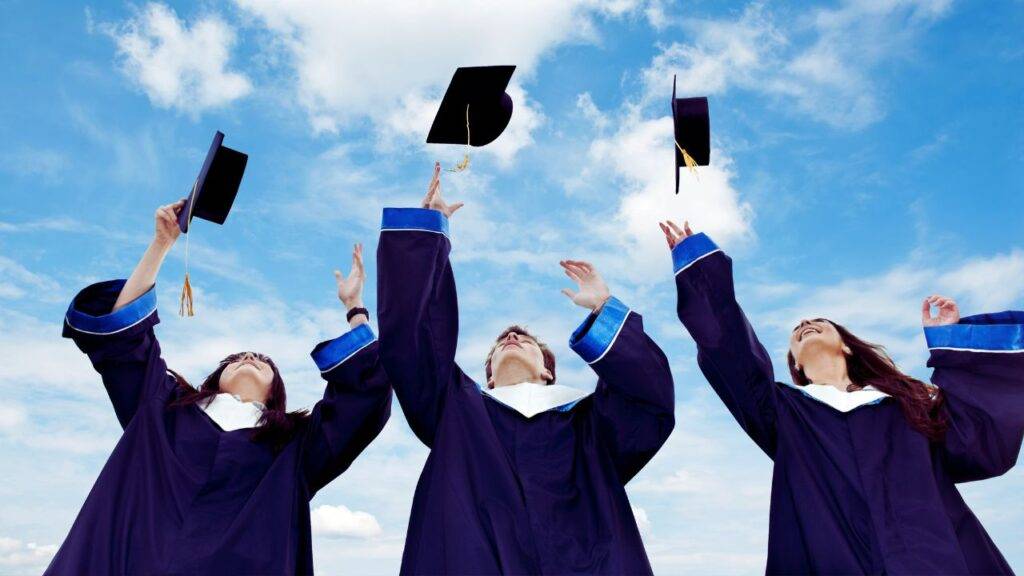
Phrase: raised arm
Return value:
(113, 323)
(728, 352)
(357, 402)
(978, 364)
(418, 309)
(634, 400)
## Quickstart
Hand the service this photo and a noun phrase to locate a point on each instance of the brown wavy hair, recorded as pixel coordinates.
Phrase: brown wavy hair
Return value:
(276, 427)
(549, 356)
(870, 364)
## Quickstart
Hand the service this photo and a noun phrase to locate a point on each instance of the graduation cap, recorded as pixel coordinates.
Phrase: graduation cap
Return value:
(216, 186)
(211, 198)
(692, 132)
(475, 109)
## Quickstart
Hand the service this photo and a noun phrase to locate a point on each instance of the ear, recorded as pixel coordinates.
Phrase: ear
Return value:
(847, 351)
(547, 376)
(799, 368)
(490, 384)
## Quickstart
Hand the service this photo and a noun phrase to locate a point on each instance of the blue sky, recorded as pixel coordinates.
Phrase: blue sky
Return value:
(866, 153)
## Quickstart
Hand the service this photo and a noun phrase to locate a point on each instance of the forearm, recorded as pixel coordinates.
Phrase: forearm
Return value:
(144, 275)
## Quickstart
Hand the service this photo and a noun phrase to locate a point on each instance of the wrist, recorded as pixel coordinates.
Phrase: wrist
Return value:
(353, 303)
(601, 303)
(161, 245)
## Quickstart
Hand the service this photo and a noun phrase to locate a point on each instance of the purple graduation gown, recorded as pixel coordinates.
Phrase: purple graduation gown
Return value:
(862, 492)
(180, 496)
(500, 493)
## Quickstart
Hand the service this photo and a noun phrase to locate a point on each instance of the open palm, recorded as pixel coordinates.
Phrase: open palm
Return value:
(350, 288)
(593, 292)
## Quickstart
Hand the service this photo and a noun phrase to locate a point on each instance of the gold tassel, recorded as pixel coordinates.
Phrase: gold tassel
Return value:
(465, 157)
(185, 306)
(691, 164)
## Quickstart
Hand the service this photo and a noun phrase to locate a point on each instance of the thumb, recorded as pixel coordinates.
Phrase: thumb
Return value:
(456, 206)
(569, 293)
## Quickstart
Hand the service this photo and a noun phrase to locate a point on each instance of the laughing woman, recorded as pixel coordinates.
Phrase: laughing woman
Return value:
(214, 480)
(866, 457)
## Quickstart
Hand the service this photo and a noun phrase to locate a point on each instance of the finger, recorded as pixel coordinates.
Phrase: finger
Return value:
(926, 309)
(572, 275)
(337, 276)
(679, 232)
(455, 207)
(686, 228)
(571, 266)
(569, 293)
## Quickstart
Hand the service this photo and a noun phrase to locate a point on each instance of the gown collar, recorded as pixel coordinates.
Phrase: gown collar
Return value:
(843, 401)
(230, 413)
(530, 399)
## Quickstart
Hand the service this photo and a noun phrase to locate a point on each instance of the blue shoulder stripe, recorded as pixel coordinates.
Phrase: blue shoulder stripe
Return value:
(690, 250)
(332, 353)
(416, 219)
(595, 336)
(112, 322)
(999, 332)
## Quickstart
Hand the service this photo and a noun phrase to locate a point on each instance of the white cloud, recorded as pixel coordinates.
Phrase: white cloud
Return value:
(638, 156)
(19, 282)
(830, 77)
(339, 521)
(176, 65)
(25, 556)
(12, 416)
(391, 63)
(642, 521)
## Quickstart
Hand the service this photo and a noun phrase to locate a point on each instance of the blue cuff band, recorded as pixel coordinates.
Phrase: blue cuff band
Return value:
(999, 332)
(595, 336)
(82, 314)
(417, 219)
(690, 250)
(330, 354)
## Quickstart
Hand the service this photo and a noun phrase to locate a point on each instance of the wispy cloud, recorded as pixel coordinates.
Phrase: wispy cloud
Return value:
(178, 66)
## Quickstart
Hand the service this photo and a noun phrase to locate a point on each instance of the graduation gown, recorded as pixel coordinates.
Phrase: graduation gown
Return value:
(501, 493)
(180, 496)
(862, 492)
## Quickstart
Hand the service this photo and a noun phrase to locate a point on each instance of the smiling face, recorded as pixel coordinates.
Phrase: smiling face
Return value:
(516, 351)
(817, 336)
(247, 374)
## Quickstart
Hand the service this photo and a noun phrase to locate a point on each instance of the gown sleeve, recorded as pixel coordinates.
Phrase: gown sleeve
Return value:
(355, 407)
(121, 345)
(979, 366)
(634, 402)
(728, 352)
(418, 314)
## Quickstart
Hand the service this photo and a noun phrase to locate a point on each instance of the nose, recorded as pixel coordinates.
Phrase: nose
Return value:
(512, 337)
(248, 356)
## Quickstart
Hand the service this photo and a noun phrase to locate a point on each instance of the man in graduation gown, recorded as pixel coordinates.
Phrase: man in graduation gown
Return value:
(516, 487)
(856, 489)
(187, 490)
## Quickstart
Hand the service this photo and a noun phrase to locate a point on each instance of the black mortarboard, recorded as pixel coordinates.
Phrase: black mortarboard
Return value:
(482, 88)
(692, 131)
(215, 188)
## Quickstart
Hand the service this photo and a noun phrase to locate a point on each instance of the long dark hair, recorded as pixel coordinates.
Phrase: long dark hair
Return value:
(869, 364)
(276, 427)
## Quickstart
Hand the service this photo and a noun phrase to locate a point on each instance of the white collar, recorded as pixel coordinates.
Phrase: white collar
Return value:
(530, 399)
(230, 413)
(843, 401)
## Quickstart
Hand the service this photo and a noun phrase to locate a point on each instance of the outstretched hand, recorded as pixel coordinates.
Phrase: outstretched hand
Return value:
(673, 235)
(433, 199)
(593, 292)
(350, 288)
(167, 230)
(948, 312)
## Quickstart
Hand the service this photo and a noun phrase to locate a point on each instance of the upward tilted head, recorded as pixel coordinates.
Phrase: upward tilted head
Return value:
(517, 356)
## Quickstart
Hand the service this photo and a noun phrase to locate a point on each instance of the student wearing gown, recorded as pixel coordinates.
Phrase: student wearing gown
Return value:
(865, 472)
(217, 480)
(507, 489)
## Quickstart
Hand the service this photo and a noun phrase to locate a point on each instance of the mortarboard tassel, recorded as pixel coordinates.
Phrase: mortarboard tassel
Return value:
(691, 164)
(465, 157)
(185, 304)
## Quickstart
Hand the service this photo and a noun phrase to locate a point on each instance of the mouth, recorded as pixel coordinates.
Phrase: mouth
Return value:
(507, 344)
(806, 331)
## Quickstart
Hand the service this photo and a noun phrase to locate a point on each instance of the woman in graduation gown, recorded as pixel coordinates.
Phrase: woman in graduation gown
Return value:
(512, 486)
(215, 480)
(866, 458)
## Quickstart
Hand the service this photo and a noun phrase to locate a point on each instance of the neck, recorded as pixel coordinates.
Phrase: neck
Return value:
(515, 373)
(246, 389)
(828, 369)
